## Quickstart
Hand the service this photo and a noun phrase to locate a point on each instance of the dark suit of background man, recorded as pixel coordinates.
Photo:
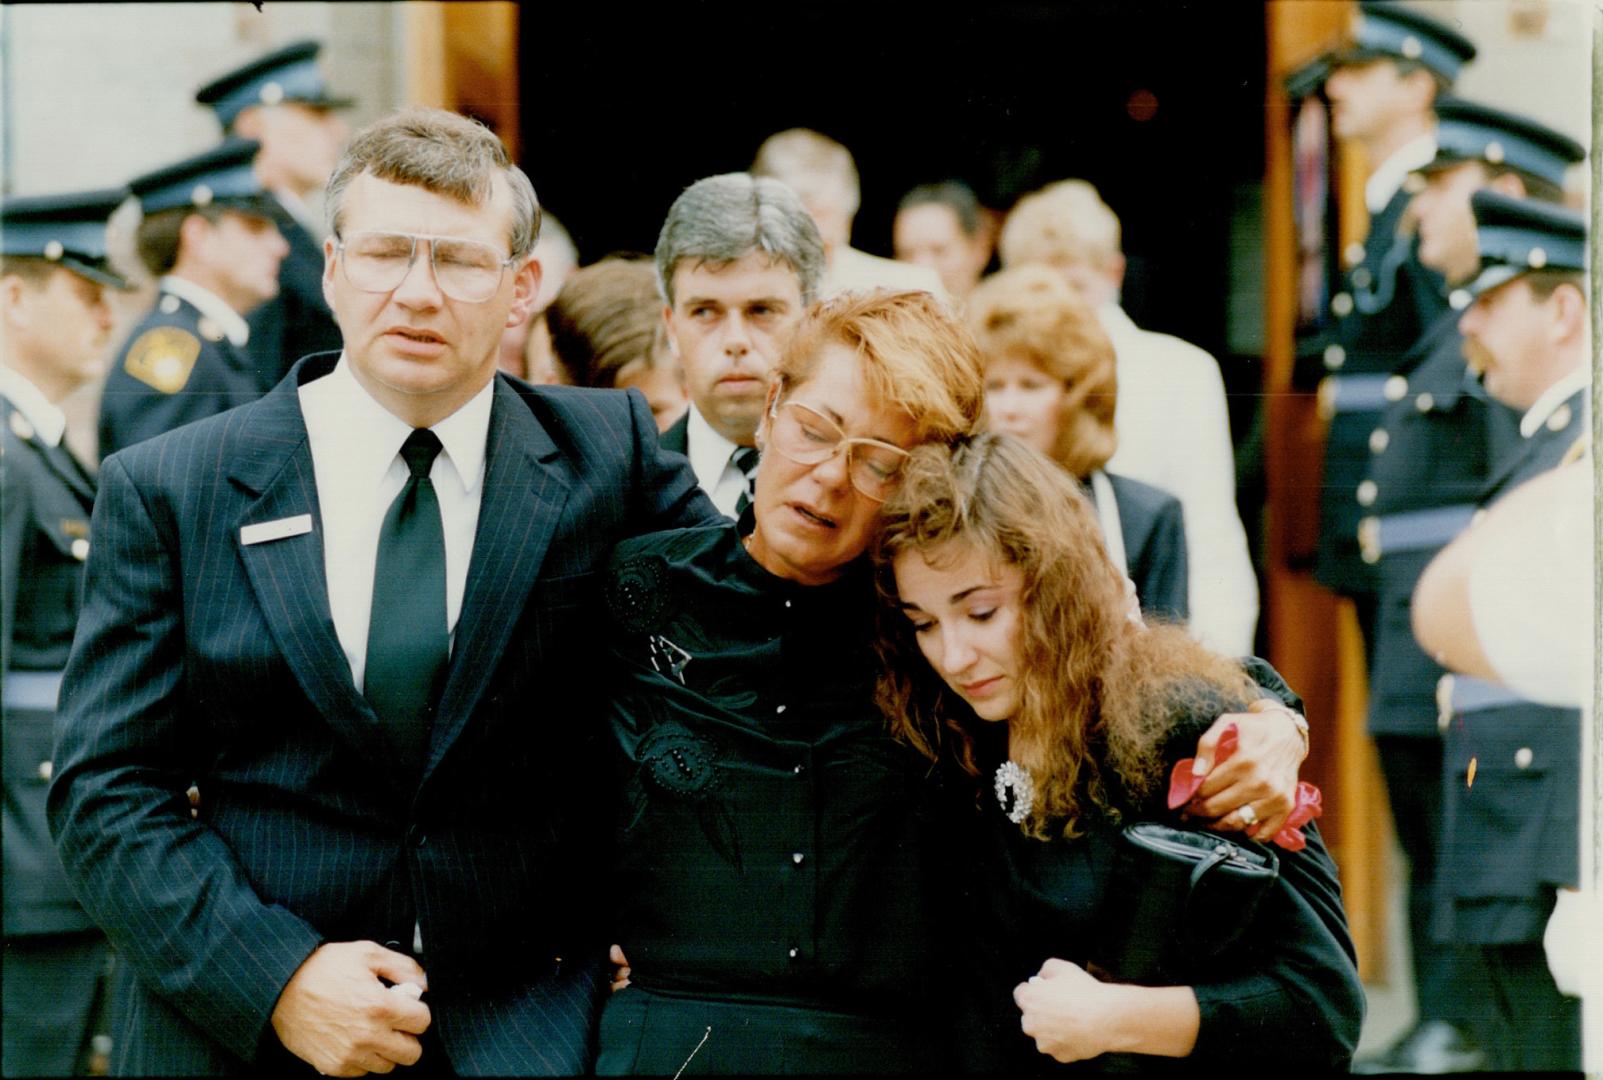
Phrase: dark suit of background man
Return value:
(281, 101)
(207, 234)
(55, 323)
(354, 613)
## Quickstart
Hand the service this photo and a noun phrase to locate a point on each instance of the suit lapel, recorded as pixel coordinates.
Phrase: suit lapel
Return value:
(274, 467)
(525, 487)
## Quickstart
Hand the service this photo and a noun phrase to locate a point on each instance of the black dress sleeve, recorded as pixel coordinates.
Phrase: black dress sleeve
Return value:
(1289, 991)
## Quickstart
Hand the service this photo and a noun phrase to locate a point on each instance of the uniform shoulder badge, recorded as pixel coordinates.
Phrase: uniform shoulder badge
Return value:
(163, 358)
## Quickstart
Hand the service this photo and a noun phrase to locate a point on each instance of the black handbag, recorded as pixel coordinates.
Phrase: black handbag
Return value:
(1176, 899)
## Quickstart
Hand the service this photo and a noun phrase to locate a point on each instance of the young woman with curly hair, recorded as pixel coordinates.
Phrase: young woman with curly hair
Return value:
(1009, 647)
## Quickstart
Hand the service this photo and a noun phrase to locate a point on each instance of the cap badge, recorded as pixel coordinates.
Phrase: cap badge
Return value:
(1537, 258)
(54, 250)
(1412, 48)
(272, 93)
(1494, 153)
(201, 195)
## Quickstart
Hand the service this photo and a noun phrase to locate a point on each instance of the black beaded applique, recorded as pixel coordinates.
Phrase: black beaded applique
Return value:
(637, 593)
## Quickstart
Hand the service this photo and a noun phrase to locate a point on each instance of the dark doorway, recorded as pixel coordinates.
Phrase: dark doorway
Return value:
(1158, 102)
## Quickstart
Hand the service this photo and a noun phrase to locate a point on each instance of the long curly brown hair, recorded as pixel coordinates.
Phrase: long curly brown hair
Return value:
(1099, 691)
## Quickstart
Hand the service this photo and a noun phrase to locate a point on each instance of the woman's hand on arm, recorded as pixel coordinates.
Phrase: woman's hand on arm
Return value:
(1262, 773)
(1072, 1017)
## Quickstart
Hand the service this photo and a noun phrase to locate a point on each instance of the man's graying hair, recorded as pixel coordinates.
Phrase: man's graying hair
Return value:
(722, 218)
(441, 152)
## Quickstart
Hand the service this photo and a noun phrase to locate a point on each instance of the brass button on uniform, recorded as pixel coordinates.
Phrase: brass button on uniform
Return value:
(1342, 304)
(1396, 387)
(1424, 402)
(1522, 757)
(1369, 540)
(1335, 356)
(1367, 491)
(797, 857)
(1325, 401)
(1379, 439)
(1354, 254)
(80, 549)
(47, 769)
(1362, 277)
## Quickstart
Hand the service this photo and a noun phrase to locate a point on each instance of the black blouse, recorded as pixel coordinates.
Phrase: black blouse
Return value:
(769, 827)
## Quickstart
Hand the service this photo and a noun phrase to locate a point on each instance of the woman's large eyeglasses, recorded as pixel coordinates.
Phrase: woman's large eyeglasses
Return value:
(808, 437)
(465, 270)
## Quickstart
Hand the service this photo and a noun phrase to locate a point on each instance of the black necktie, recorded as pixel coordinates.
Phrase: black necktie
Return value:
(745, 459)
(407, 640)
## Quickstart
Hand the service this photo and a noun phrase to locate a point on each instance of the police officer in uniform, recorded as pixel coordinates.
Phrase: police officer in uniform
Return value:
(55, 323)
(1511, 768)
(281, 101)
(208, 233)
(1429, 461)
(1382, 85)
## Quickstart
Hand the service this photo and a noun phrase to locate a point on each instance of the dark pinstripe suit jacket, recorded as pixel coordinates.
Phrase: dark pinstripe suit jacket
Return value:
(202, 659)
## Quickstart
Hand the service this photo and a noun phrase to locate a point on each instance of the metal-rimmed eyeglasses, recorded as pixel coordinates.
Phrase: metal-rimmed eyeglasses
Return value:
(806, 436)
(465, 270)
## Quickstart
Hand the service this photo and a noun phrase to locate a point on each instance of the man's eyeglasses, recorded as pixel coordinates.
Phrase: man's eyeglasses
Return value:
(808, 437)
(465, 270)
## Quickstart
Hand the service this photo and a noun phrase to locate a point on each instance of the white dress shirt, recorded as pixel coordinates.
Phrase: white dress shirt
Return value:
(356, 459)
(1389, 175)
(1173, 428)
(712, 457)
(49, 422)
(214, 307)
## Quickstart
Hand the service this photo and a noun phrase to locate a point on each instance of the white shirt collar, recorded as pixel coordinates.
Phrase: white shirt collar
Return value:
(1552, 398)
(709, 451)
(49, 422)
(211, 305)
(369, 436)
(1389, 175)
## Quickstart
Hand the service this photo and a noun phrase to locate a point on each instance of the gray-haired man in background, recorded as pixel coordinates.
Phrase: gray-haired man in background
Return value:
(738, 259)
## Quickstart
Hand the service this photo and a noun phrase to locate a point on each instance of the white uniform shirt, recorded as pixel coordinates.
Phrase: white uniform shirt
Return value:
(1174, 433)
(214, 307)
(49, 422)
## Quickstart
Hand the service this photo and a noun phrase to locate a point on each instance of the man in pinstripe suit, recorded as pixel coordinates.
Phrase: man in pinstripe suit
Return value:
(351, 614)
